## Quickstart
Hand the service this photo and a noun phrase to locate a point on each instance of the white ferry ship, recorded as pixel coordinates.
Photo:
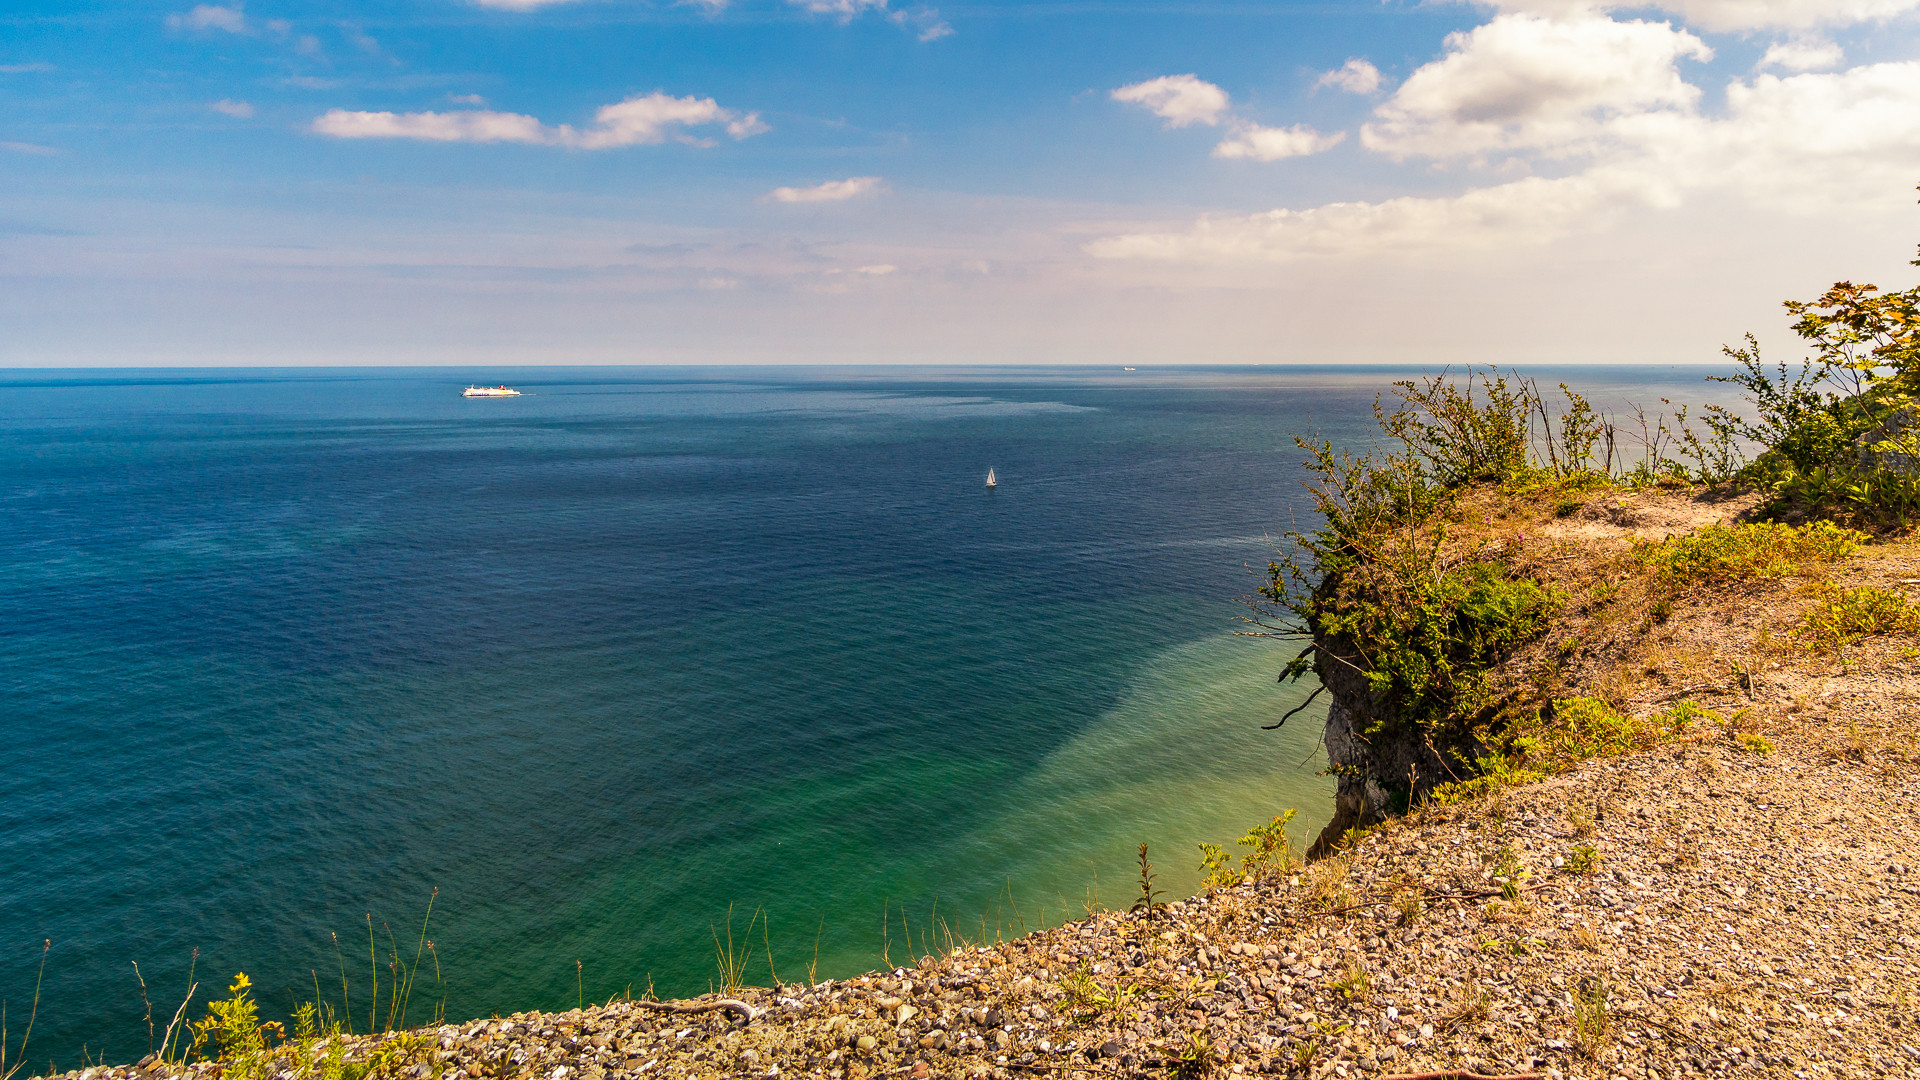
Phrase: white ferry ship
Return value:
(489, 391)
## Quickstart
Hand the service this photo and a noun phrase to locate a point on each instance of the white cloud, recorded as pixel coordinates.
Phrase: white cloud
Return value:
(877, 269)
(925, 22)
(22, 69)
(211, 17)
(1524, 211)
(1258, 143)
(639, 120)
(1179, 99)
(35, 149)
(711, 7)
(648, 118)
(239, 110)
(466, 99)
(741, 127)
(360, 39)
(468, 126)
(1803, 54)
(1807, 142)
(831, 191)
(1805, 145)
(1356, 76)
(846, 9)
(1729, 15)
(1529, 82)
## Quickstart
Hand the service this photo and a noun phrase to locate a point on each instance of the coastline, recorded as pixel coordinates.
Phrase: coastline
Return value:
(1737, 899)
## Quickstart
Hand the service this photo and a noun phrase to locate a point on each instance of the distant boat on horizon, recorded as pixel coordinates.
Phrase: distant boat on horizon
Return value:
(489, 391)
(991, 482)
(1126, 369)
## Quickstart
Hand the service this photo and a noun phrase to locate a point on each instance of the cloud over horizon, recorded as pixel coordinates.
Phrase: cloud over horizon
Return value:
(644, 119)
(1184, 100)
(1356, 76)
(832, 191)
(1606, 94)
(1256, 143)
(1724, 16)
(1180, 100)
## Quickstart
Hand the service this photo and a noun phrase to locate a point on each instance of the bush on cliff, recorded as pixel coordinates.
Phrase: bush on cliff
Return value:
(1409, 604)
(1837, 438)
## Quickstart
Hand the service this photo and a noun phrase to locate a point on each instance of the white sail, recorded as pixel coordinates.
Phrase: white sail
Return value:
(991, 482)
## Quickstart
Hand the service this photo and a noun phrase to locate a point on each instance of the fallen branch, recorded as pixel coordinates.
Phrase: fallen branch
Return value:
(1460, 1074)
(1685, 690)
(748, 1014)
(1672, 1032)
(1484, 894)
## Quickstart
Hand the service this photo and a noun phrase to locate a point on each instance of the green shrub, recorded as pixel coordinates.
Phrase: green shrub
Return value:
(1426, 641)
(1269, 849)
(1843, 616)
(1812, 425)
(233, 1028)
(1583, 859)
(1491, 773)
(1760, 549)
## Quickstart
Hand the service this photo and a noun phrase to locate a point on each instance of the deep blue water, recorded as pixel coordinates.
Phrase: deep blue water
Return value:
(283, 649)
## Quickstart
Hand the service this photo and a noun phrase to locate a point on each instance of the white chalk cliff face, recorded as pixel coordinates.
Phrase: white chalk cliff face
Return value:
(1379, 773)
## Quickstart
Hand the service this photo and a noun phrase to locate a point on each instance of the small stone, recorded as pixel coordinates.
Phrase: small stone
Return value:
(906, 1013)
(1110, 1049)
(867, 1042)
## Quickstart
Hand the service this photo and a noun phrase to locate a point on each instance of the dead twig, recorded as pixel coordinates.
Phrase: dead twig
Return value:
(748, 1014)
(1483, 894)
(1460, 1074)
(1685, 690)
(1671, 1031)
(1295, 709)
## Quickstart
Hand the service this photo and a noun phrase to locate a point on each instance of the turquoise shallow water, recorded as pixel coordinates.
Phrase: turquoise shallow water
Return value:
(283, 649)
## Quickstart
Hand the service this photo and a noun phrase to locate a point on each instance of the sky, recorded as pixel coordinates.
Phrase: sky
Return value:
(477, 182)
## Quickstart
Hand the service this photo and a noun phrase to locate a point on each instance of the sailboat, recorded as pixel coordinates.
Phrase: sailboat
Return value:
(991, 482)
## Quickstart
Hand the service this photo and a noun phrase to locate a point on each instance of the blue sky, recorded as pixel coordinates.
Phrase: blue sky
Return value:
(763, 181)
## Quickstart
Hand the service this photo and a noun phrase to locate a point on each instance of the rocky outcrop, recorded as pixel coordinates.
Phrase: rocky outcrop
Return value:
(1382, 766)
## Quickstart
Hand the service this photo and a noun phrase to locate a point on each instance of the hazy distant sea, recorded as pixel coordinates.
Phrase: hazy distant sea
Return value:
(280, 649)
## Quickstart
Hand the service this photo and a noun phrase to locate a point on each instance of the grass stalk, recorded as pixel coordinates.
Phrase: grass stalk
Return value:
(373, 965)
(6, 1073)
(148, 1004)
(166, 1042)
(406, 998)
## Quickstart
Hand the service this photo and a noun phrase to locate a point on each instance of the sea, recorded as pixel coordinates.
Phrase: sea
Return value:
(645, 679)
